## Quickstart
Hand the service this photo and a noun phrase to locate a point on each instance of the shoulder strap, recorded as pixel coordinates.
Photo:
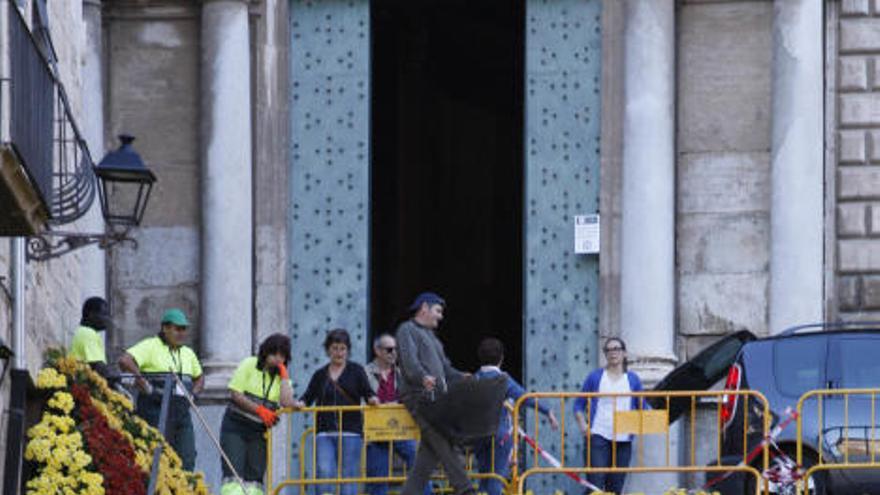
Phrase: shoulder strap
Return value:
(340, 389)
(336, 384)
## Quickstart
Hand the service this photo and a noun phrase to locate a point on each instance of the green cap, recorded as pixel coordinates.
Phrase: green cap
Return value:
(175, 316)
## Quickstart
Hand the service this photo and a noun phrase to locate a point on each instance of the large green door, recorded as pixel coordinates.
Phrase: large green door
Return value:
(329, 179)
(563, 68)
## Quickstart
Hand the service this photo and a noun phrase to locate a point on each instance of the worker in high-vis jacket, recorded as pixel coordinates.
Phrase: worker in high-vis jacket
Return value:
(88, 340)
(259, 386)
(151, 360)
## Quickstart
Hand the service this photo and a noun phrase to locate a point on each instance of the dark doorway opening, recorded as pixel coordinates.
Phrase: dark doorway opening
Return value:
(447, 168)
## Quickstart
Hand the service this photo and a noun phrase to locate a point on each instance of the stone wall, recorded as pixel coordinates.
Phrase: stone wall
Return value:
(154, 70)
(723, 73)
(152, 92)
(723, 180)
(723, 172)
(858, 160)
(270, 30)
(55, 289)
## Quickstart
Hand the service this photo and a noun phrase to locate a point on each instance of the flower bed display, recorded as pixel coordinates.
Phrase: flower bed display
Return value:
(90, 442)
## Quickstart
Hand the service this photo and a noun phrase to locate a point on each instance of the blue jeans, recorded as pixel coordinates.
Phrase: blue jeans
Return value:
(483, 453)
(327, 454)
(600, 456)
(377, 463)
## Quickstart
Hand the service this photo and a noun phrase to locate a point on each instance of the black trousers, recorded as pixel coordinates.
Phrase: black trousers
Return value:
(244, 442)
(434, 448)
(178, 428)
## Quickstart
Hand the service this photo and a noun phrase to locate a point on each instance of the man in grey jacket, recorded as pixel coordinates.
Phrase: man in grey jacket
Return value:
(384, 377)
(426, 371)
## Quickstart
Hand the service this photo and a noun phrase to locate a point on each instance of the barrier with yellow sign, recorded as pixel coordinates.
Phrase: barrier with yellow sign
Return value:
(544, 452)
(855, 442)
(383, 423)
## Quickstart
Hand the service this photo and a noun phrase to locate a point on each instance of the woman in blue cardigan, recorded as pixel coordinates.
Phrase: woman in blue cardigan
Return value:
(613, 378)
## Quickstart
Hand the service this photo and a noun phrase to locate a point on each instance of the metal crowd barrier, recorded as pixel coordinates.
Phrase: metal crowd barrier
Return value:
(845, 437)
(382, 424)
(641, 422)
(845, 432)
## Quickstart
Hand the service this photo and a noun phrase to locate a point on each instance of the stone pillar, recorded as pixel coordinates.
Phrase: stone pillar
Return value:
(227, 220)
(93, 279)
(647, 286)
(797, 205)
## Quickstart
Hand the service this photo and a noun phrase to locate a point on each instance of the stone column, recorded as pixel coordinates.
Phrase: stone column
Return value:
(797, 204)
(93, 279)
(227, 220)
(647, 286)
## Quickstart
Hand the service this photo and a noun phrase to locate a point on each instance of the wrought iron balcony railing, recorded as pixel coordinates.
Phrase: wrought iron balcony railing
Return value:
(42, 128)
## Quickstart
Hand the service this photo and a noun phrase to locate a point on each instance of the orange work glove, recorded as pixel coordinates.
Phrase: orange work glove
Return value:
(267, 415)
(282, 371)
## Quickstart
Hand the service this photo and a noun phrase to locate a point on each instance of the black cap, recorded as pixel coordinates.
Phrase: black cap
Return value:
(96, 313)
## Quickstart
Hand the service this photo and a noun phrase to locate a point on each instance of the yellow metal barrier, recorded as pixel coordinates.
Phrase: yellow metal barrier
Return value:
(382, 424)
(640, 422)
(850, 439)
(845, 429)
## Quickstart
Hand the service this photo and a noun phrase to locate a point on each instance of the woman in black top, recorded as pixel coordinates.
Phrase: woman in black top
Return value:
(339, 383)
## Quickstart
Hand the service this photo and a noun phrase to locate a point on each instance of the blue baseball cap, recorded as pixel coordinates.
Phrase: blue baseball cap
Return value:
(431, 298)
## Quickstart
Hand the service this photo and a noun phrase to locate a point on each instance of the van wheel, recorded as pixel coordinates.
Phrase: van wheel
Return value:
(817, 482)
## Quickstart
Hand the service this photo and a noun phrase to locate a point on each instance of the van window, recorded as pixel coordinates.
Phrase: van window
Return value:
(799, 365)
(860, 366)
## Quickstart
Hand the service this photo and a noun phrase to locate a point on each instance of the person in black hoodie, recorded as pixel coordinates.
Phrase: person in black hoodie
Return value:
(88, 344)
(340, 383)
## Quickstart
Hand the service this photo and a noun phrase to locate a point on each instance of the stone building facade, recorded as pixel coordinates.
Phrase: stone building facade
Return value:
(54, 290)
(856, 126)
(729, 145)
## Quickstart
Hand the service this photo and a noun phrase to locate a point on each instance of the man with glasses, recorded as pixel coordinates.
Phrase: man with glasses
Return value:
(384, 377)
(150, 360)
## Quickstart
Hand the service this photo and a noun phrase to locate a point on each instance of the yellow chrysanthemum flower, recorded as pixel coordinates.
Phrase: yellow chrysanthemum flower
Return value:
(61, 401)
(49, 378)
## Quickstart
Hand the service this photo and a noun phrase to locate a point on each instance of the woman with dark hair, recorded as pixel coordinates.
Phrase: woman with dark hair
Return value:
(340, 383)
(258, 387)
(614, 378)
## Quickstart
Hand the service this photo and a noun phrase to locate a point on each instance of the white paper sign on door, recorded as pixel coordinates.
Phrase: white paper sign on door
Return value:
(586, 234)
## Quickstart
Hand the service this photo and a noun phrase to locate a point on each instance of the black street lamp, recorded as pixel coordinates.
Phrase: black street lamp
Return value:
(124, 185)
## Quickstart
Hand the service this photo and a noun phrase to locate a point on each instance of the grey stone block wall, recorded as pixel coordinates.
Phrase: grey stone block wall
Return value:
(723, 170)
(271, 199)
(153, 90)
(857, 195)
(152, 78)
(54, 290)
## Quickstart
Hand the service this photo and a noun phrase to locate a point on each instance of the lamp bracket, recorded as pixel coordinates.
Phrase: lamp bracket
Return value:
(52, 244)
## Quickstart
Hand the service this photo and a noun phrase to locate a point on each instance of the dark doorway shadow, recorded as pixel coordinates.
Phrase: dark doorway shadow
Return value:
(447, 168)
